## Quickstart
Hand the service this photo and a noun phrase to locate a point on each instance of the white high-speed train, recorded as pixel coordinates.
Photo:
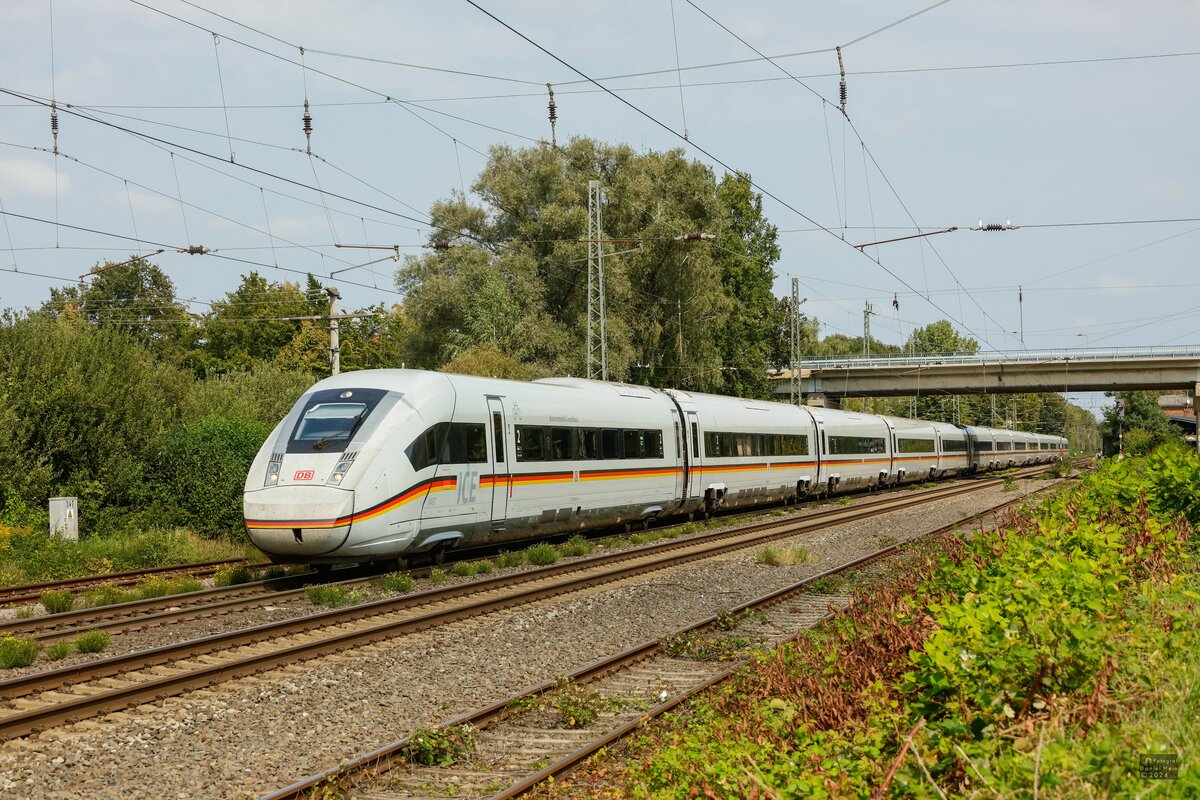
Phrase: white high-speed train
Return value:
(374, 465)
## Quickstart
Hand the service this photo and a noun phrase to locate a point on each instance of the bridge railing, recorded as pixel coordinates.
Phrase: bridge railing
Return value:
(1006, 357)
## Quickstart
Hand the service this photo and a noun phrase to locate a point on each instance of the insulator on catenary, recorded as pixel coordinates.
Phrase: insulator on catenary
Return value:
(54, 124)
(842, 73)
(553, 115)
(308, 128)
(195, 250)
(438, 244)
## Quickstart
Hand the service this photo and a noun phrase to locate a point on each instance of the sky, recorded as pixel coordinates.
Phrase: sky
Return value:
(172, 137)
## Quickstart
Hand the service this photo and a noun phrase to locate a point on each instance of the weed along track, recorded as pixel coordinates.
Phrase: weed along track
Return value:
(43, 700)
(509, 747)
(32, 592)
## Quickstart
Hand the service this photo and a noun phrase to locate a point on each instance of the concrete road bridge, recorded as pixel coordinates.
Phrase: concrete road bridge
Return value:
(825, 381)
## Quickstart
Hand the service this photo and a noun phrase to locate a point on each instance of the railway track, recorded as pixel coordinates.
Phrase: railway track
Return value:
(38, 701)
(518, 743)
(138, 615)
(32, 592)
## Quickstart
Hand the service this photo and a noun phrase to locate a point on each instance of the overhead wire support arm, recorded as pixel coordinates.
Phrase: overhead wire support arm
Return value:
(951, 229)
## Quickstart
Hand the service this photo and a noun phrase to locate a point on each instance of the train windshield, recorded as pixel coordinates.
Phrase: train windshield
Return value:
(331, 418)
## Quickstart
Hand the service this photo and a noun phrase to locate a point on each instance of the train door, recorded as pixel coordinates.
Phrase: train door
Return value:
(681, 457)
(696, 477)
(501, 460)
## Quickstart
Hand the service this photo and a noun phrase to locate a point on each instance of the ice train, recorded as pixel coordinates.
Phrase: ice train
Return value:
(379, 464)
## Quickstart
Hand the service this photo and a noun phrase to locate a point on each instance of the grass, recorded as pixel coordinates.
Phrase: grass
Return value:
(93, 642)
(107, 595)
(541, 554)
(333, 596)
(1010, 483)
(18, 651)
(232, 576)
(58, 602)
(614, 542)
(152, 587)
(576, 546)
(58, 651)
(437, 575)
(468, 568)
(399, 582)
(510, 558)
(776, 556)
(32, 556)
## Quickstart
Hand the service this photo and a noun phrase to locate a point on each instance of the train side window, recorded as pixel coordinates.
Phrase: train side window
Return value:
(678, 454)
(423, 450)
(654, 443)
(560, 444)
(695, 438)
(589, 443)
(633, 443)
(471, 441)
(712, 444)
(498, 436)
(531, 443)
(610, 443)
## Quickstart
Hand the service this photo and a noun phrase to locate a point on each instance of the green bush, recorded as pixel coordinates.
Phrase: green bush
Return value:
(541, 554)
(576, 546)
(107, 595)
(204, 464)
(58, 651)
(484, 567)
(396, 582)
(514, 558)
(437, 575)
(463, 569)
(439, 747)
(232, 576)
(93, 642)
(333, 596)
(776, 556)
(18, 651)
(58, 602)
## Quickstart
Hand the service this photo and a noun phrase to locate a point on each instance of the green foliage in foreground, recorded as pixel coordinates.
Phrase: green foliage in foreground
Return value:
(93, 642)
(18, 651)
(58, 602)
(32, 555)
(541, 554)
(1046, 651)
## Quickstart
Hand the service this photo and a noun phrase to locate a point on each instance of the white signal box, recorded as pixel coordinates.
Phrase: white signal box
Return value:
(64, 517)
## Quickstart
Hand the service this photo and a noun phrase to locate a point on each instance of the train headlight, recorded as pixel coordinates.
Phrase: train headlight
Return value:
(272, 474)
(339, 472)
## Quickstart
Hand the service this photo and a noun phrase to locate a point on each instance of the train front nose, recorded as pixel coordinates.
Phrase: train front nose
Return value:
(299, 521)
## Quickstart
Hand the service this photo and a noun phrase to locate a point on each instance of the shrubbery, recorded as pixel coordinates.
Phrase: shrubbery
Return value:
(992, 660)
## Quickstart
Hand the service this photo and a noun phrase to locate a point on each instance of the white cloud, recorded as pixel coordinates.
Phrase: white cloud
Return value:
(21, 176)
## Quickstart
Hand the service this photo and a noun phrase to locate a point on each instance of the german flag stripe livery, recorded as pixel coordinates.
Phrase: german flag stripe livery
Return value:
(407, 496)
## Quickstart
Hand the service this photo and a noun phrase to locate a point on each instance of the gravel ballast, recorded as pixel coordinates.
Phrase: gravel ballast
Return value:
(249, 736)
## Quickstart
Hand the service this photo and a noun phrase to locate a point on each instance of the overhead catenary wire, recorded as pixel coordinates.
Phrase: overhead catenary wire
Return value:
(675, 133)
(961, 318)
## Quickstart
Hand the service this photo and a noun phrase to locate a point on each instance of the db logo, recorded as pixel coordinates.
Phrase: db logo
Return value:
(303, 475)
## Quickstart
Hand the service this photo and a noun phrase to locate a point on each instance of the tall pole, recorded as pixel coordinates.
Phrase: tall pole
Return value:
(867, 311)
(597, 338)
(1021, 308)
(795, 394)
(335, 354)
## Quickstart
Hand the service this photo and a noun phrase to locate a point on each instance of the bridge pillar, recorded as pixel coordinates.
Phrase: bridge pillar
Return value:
(822, 400)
